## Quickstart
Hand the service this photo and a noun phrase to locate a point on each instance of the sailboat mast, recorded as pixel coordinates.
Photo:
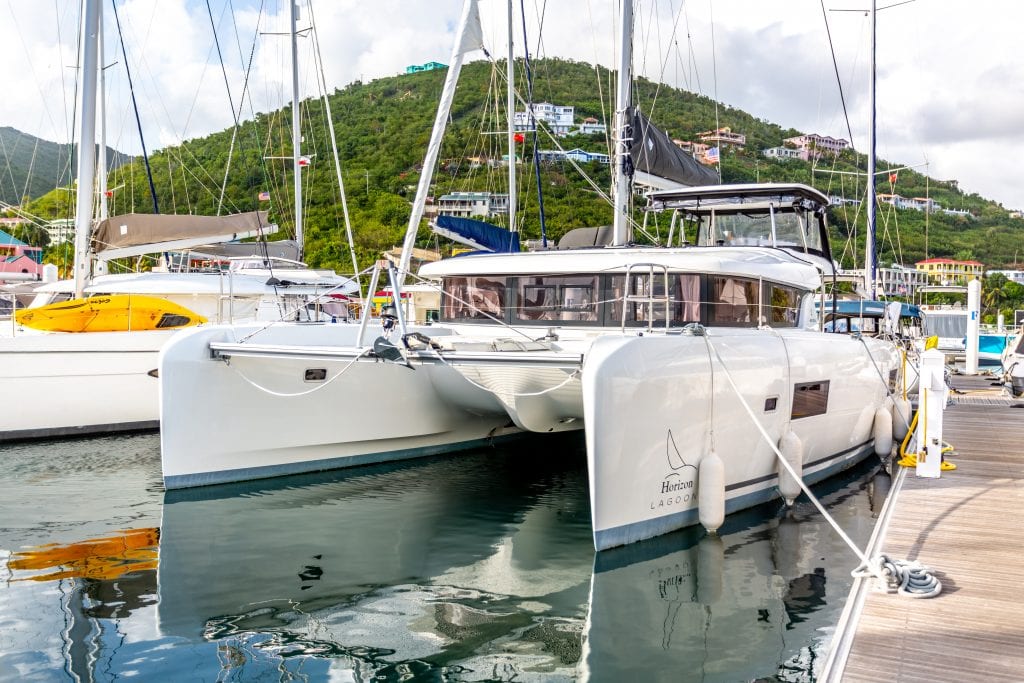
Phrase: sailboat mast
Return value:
(87, 66)
(510, 76)
(621, 228)
(101, 108)
(469, 38)
(296, 136)
(870, 257)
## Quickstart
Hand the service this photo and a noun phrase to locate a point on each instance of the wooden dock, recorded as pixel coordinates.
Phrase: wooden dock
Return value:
(969, 527)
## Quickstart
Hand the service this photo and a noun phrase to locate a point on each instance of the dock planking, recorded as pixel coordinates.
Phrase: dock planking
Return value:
(969, 527)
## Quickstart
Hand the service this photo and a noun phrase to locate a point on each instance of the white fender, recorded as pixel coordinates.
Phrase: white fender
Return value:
(792, 449)
(901, 412)
(882, 431)
(711, 491)
(710, 563)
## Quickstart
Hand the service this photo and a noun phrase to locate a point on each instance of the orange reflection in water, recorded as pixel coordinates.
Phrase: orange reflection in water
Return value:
(130, 550)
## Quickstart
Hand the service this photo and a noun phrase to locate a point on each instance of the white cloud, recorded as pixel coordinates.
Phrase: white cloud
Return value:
(950, 77)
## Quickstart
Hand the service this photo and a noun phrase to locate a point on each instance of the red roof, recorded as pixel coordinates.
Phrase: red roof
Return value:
(949, 260)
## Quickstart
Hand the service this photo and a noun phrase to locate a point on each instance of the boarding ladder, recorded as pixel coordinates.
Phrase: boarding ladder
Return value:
(640, 285)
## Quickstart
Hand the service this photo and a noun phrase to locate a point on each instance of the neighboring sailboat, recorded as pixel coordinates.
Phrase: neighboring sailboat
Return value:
(78, 382)
(664, 356)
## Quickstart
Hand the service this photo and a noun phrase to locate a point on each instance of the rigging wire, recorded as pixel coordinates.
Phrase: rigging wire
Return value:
(334, 148)
(533, 123)
(135, 106)
(231, 103)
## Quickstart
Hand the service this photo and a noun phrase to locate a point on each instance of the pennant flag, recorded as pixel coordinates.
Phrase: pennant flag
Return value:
(303, 161)
(519, 137)
(892, 178)
(264, 196)
(108, 193)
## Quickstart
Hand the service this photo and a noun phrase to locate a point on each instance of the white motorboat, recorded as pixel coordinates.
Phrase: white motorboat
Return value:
(685, 365)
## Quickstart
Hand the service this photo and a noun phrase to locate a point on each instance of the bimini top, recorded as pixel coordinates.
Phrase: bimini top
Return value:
(743, 196)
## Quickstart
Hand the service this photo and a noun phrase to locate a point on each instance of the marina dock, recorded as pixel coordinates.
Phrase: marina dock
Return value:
(967, 526)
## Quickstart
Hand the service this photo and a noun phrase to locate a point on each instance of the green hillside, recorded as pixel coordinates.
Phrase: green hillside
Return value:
(383, 128)
(31, 167)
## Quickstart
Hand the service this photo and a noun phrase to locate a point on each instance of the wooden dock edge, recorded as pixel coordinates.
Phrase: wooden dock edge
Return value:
(846, 627)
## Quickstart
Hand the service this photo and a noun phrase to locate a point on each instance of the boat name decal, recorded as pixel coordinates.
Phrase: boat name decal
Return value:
(679, 486)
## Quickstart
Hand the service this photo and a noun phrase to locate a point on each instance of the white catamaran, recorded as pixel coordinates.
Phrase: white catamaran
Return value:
(685, 364)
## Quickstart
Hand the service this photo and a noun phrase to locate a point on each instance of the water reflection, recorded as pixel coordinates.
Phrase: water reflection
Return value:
(466, 568)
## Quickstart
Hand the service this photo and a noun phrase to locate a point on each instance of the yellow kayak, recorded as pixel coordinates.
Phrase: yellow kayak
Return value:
(108, 313)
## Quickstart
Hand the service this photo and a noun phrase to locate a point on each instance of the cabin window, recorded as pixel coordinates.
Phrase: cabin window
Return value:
(732, 301)
(563, 298)
(474, 298)
(783, 306)
(683, 302)
(810, 398)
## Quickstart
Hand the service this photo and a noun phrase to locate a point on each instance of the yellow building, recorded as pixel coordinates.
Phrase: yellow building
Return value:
(944, 271)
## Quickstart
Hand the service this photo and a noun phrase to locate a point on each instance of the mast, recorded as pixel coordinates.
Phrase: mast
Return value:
(870, 258)
(510, 76)
(296, 137)
(469, 37)
(101, 108)
(87, 65)
(621, 228)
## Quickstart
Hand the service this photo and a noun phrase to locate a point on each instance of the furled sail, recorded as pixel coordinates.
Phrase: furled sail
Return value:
(654, 153)
(140, 233)
(477, 234)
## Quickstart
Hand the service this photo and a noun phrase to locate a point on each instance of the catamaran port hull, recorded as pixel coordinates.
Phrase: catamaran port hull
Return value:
(320, 405)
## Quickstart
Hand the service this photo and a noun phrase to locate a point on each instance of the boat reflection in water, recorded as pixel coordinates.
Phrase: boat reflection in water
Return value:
(482, 567)
(480, 563)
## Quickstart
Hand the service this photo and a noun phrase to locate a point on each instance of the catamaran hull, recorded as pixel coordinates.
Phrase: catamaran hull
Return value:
(655, 407)
(361, 410)
(77, 384)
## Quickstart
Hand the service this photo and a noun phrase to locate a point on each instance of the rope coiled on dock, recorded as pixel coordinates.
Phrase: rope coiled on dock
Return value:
(910, 579)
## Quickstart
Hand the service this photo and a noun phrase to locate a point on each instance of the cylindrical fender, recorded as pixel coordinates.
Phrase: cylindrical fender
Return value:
(882, 431)
(711, 491)
(792, 449)
(901, 412)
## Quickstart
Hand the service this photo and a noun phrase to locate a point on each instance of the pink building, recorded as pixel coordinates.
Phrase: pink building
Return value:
(813, 146)
(18, 257)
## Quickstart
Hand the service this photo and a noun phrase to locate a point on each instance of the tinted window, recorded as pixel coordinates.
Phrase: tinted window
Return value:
(783, 306)
(567, 298)
(732, 301)
(474, 298)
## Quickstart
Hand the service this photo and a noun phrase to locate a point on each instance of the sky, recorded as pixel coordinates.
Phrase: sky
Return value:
(950, 76)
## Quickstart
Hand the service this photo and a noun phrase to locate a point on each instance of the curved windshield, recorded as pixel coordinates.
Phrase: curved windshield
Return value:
(778, 229)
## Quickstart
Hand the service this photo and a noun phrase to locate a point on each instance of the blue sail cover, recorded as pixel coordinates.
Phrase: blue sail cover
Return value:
(477, 234)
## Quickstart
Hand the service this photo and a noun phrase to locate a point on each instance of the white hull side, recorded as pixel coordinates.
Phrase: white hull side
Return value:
(75, 384)
(267, 420)
(648, 402)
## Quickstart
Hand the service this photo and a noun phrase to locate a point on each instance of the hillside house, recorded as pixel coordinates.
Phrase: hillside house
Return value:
(429, 66)
(590, 126)
(471, 205)
(944, 271)
(557, 119)
(722, 136)
(780, 153)
(17, 257)
(813, 146)
(1012, 275)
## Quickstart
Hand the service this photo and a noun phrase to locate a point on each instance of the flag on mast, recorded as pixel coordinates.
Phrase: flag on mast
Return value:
(264, 196)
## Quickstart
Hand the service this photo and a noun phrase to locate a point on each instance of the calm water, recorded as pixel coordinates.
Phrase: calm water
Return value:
(471, 567)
